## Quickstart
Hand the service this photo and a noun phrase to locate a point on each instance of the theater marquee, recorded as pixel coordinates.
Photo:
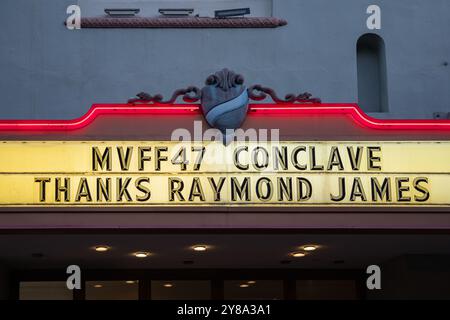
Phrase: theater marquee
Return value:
(168, 173)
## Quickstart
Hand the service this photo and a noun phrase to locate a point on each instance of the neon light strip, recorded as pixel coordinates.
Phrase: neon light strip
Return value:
(179, 109)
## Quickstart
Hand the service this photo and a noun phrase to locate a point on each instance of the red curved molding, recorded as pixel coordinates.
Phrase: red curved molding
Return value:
(284, 108)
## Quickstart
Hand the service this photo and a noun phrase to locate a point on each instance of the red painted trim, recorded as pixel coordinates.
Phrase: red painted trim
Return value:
(347, 109)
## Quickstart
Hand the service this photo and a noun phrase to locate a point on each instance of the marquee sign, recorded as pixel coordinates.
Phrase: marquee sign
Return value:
(144, 171)
(166, 173)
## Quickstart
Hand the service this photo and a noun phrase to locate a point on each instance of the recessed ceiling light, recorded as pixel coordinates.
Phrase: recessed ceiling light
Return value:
(244, 285)
(298, 254)
(130, 282)
(200, 247)
(101, 248)
(251, 282)
(309, 247)
(168, 285)
(141, 254)
(98, 286)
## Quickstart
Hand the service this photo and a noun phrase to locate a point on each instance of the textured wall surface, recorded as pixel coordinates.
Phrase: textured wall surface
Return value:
(47, 71)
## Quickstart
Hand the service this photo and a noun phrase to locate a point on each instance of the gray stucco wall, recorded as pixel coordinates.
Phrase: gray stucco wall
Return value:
(47, 71)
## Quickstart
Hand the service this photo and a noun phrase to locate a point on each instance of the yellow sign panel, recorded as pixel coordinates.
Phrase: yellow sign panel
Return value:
(169, 173)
